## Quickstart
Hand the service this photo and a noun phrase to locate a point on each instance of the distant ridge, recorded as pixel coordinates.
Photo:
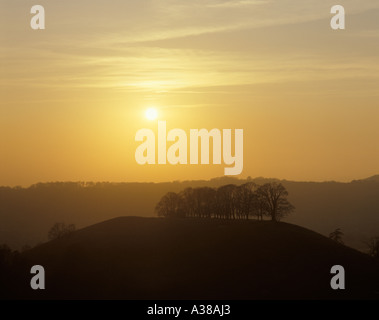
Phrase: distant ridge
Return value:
(374, 178)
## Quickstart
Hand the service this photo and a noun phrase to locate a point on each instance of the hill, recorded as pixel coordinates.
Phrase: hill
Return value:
(26, 214)
(153, 258)
(374, 178)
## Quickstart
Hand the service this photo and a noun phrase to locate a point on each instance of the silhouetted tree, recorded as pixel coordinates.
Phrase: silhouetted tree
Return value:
(373, 247)
(6, 256)
(187, 199)
(8, 262)
(59, 230)
(205, 201)
(274, 203)
(198, 202)
(170, 206)
(245, 199)
(225, 201)
(336, 236)
(261, 207)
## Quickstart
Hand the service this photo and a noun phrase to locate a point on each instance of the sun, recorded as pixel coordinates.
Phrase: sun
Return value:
(151, 113)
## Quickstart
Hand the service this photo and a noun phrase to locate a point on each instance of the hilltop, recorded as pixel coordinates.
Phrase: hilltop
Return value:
(26, 214)
(154, 258)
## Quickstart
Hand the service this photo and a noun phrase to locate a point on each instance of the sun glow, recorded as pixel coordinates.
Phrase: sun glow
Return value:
(151, 114)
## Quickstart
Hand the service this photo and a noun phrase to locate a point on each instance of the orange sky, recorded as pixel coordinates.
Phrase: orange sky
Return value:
(74, 95)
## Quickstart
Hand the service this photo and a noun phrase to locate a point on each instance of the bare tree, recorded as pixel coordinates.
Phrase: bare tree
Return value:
(6, 256)
(274, 203)
(373, 247)
(206, 199)
(188, 202)
(260, 205)
(170, 206)
(225, 201)
(245, 199)
(59, 230)
(337, 235)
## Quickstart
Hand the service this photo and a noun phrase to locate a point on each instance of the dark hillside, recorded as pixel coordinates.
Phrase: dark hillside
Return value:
(152, 258)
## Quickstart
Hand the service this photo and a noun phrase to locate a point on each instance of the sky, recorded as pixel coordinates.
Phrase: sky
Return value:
(74, 95)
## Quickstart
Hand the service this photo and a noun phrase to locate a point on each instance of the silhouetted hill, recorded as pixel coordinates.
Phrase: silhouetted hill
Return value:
(153, 258)
(26, 214)
(374, 178)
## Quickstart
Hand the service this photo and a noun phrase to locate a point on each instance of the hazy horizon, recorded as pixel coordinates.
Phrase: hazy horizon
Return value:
(188, 180)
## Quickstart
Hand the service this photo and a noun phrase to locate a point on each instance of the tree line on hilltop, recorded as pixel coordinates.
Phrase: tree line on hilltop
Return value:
(228, 202)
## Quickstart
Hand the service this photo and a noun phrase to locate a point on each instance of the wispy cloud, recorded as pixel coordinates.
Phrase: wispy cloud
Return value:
(128, 58)
(235, 4)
